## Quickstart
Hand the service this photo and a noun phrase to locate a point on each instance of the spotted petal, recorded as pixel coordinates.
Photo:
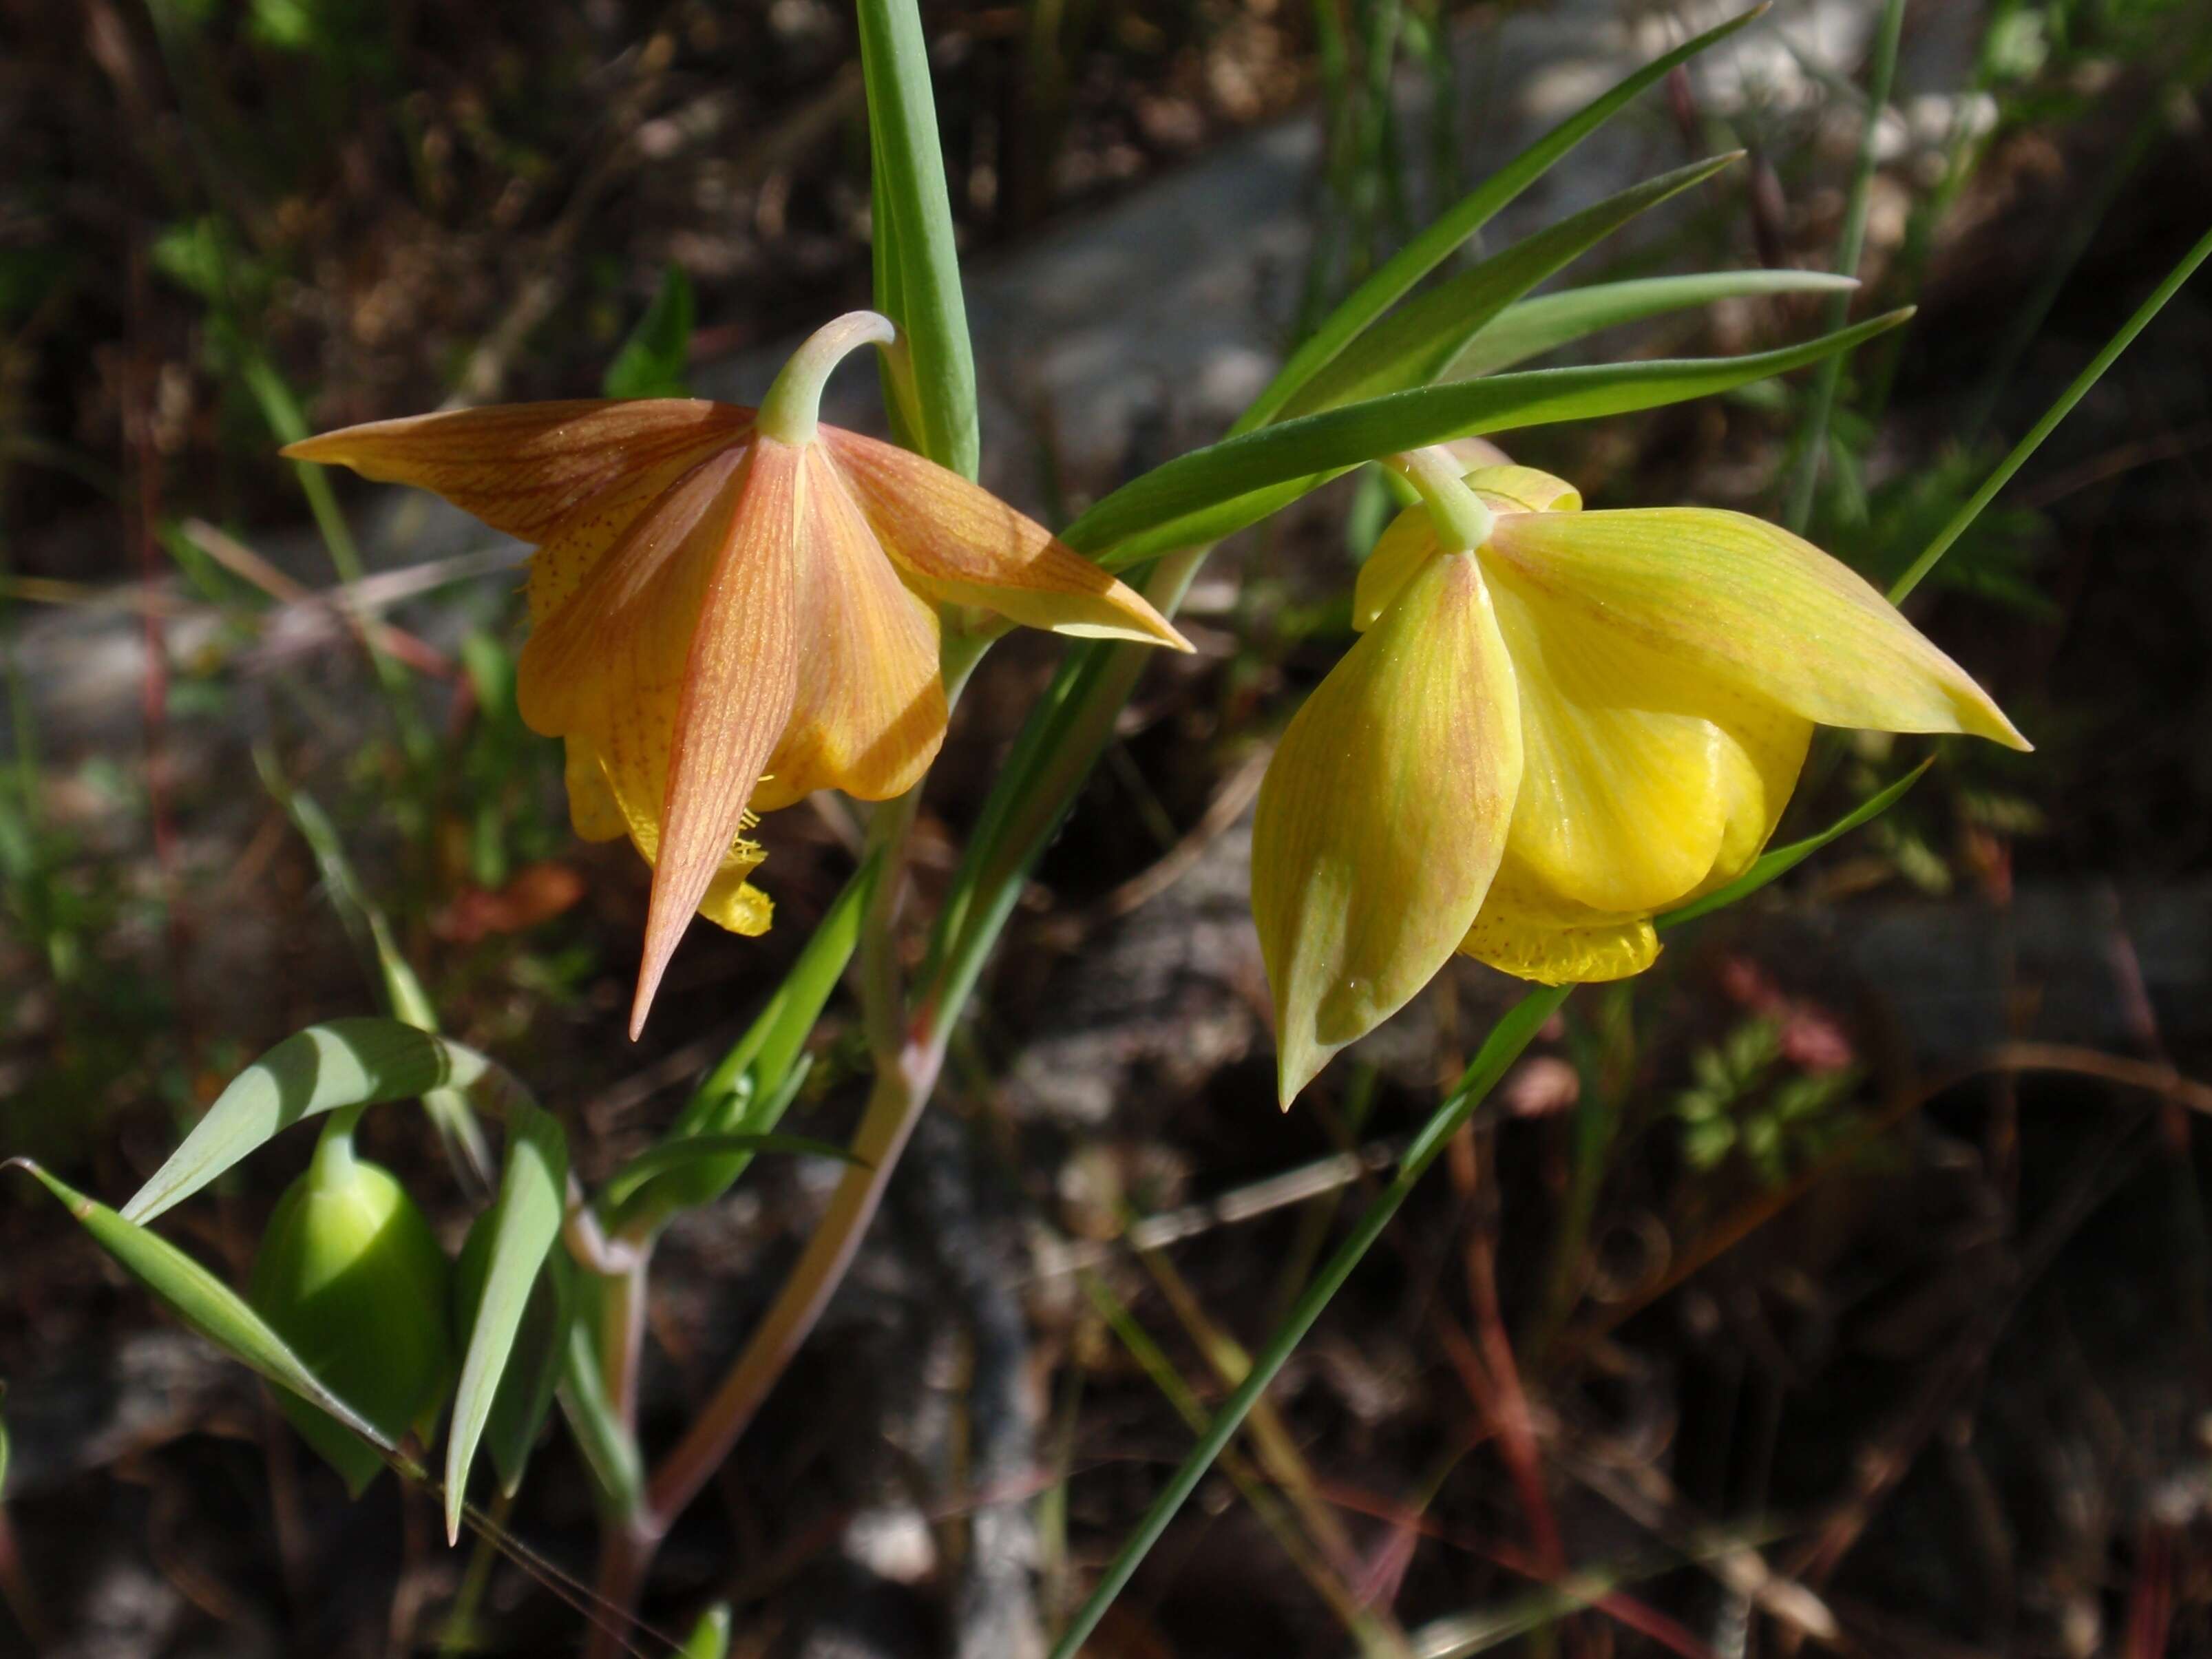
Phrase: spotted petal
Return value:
(675, 660)
(956, 543)
(1726, 596)
(1383, 815)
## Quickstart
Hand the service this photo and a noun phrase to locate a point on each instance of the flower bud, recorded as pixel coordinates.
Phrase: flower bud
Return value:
(351, 1276)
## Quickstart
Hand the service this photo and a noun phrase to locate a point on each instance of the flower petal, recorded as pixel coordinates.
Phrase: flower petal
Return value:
(1523, 932)
(1383, 816)
(1753, 605)
(675, 661)
(1406, 542)
(870, 712)
(956, 543)
(1639, 770)
(522, 468)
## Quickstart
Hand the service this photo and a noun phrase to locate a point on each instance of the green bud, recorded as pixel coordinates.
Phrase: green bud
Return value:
(351, 1276)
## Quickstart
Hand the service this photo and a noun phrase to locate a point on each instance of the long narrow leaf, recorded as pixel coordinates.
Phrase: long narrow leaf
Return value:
(1551, 320)
(2052, 417)
(771, 1045)
(1205, 495)
(1435, 245)
(534, 1368)
(203, 1301)
(341, 1063)
(916, 210)
(531, 1197)
(1414, 345)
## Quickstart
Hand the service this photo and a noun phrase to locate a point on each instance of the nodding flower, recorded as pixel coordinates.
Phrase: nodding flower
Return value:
(1555, 726)
(732, 608)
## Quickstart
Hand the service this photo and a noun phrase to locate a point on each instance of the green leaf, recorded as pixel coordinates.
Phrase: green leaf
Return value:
(728, 1117)
(203, 1301)
(1414, 345)
(772, 1044)
(525, 1222)
(918, 265)
(654, 360)
(341, 1063)
(609, 1447)
(1205, 495)
(1434, 244)
(1551, 320)
(525, 1390)
(1778, 861)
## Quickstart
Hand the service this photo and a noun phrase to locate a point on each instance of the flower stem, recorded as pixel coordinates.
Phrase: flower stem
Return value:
(794, 404)
(1462, 520)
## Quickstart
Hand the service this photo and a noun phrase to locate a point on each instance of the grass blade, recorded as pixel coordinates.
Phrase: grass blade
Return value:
(683, 1154)
(772, 1044)
(2052, 417)
(1513, 1033)
(526, 1221)
(525, 1388)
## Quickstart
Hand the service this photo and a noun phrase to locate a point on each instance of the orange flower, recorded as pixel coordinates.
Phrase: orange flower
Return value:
(731, 609)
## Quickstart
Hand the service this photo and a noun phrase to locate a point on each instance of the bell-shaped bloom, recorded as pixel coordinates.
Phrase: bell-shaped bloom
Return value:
(1540, 744)
(733, 608)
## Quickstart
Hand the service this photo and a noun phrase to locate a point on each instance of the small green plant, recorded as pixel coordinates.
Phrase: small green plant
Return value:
(1747, 1101)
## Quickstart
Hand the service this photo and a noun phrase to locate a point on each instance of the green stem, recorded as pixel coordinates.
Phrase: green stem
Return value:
(1462, 520)
(1815, 439)
(2052, 417)
(792, 407)
(1512, 1033)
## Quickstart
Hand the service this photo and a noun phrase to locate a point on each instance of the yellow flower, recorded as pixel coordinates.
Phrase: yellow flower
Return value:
(1579, 721)
(731, 609)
